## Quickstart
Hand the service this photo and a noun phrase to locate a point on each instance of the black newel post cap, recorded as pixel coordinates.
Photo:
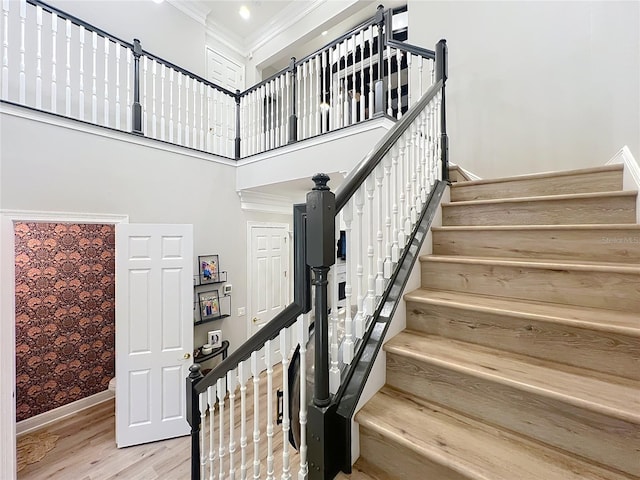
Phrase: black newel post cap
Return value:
(194, 371)
(137, 47)
(321, 180)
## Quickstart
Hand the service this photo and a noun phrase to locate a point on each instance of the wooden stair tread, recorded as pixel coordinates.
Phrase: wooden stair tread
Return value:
(595, 226)
(583, 265)
(586, 317)
(467, 446)
(363, 470)
(619, 400)
(543, 198)
(534, 176)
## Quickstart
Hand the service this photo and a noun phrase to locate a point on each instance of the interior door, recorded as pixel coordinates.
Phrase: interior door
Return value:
(269, 276)
(154, 330)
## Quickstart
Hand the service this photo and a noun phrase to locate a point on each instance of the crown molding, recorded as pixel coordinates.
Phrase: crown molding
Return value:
(226, 37)
(194, 10)
(265, 202)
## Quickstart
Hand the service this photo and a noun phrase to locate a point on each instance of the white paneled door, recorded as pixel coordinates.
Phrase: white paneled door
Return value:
(154, 330)
(269, 276)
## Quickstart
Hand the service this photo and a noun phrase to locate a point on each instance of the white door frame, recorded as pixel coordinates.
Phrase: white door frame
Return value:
(251, 225)
(8, 317)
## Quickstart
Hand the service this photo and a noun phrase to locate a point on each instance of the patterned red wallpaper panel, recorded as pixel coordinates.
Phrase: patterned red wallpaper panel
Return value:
(65, 313)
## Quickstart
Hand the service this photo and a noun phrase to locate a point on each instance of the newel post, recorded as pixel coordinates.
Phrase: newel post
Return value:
(442, 67)
(320, 243)
(238, 139)
(193, 417)
(379, 95)
(293, 115)
(136, 108)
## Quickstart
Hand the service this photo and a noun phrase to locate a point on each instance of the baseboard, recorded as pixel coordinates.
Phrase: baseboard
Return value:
(631, 175)
(38, 421)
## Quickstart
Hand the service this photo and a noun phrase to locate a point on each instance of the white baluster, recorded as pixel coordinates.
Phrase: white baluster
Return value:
(305, 98)
(380, 283)
(388, 264)
(318, 74)
(371, 93)
(94, 78)
(420, 76)
(211, 394)
(163, 79)
(267, 359)
(401, 188)
(418, 165)
(278, 111)
(334, 371)
(346, 108)
(243, 419)
(370, 301)
(324, 106)
(332, 98)
(348, 346)
(286, 424)
(222, 392)
(128, 105)
(287, 104)
(410, 81)
(414, 174)
(38, 57)
(399, 77)
(118, 111)
(359, 320)
(362, 93)
(395, 248)
(354, 103)
(210, 122)
(186, 109)
(179, 115)
(145, 109)
(202, 114)
(231, 385)
(389, 63)
(194, 136)
(203, 451)
(5, 50)
(407, 196)
(256, 415)
(106, 81)
(303, 339)
(274, 116)
(68, 71)
(154, 118)
(261, 116)
(426, 181)
(23, 77)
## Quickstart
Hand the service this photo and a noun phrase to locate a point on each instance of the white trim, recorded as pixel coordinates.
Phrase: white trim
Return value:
(71, 124)
(191, 10)
(64, 411)
(7, 319)
(631, 174)
(265, 202)
(383, 122)
(472, 176)
(251, 225)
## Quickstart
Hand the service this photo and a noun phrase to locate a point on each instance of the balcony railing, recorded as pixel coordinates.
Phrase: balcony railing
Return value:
(57, 63)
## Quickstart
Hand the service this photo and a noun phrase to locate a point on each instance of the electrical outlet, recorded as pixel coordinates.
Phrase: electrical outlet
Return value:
(241, 311)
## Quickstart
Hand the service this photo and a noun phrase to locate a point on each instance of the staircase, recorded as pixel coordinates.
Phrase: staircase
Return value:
(522, 350)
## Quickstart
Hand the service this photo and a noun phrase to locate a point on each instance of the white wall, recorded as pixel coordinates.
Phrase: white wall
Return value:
(536, 86)
(161, 28)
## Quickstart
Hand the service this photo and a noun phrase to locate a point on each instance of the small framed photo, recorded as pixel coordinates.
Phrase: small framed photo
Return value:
(209, 267)
(209, 303)
(215, 338)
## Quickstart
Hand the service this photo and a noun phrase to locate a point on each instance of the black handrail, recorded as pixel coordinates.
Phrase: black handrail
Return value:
(407, 47)
(286, 318)
(78, 22)
(368, 164)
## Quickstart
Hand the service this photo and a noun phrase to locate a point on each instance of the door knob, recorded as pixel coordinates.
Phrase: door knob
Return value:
(255, 319)
(187, 356)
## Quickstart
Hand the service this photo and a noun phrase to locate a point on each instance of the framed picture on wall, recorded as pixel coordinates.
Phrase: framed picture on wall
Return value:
(209, 303)
(209, 267)
(214, 337)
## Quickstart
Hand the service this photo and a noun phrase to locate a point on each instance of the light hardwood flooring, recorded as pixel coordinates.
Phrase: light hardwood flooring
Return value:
(86, 448)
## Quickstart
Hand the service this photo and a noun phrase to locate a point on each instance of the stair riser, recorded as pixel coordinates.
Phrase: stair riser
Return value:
(604, 352)
(613, 290)
(399, 462)
(578, 183)
(456, 175)
(601, 245)
(572, 211)
(590, 434)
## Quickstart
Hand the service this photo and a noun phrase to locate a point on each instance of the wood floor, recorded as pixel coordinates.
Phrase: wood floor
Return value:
(86, 448)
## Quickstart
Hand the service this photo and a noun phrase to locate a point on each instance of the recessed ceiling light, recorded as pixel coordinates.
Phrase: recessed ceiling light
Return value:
(244, 12)
(324, 33)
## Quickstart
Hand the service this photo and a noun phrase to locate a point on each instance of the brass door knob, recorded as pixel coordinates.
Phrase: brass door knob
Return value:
(255, 319)
(187, 356)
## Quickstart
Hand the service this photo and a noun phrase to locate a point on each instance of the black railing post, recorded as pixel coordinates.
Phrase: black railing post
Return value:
(136, 108)
(320, 242)
(379, 94)
(238, 140)
(293, 116)
(442, 67)
(193, 417)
